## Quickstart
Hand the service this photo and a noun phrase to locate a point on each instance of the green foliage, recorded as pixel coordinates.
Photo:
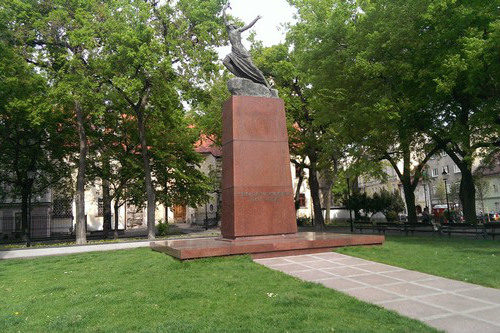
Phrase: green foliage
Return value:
(162, 228)
(303, 221)
(388, 203)
(121, 61)
(400, 91)
(205, 295)
(32, 134)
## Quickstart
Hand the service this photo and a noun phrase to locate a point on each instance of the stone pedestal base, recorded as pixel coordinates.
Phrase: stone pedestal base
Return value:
(262, 246)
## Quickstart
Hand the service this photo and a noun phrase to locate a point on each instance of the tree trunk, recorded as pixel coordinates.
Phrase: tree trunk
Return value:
(80, 230)
(117, 207)
(467, 191)
(106, 202)
(319, 222)
(328, 202)
(147, 176)
(467, 196)
(25, 227)
(409, 195)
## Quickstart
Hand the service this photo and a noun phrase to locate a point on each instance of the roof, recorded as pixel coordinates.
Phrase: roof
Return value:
(206, 145)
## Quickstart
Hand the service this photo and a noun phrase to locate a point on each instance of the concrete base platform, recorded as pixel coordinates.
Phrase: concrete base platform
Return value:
(263, 247)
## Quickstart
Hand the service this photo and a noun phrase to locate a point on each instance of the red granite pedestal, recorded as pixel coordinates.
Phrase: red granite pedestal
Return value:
(258, 215)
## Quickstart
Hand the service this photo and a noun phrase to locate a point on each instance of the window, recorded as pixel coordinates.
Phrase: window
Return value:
(62, 207)
(434, 172)
(456, 169)
(444, 154)
(447, 169)
(100, 207)
(302, 200)
(497, 206)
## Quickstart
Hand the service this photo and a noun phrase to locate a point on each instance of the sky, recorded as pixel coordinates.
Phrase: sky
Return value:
(273, 12)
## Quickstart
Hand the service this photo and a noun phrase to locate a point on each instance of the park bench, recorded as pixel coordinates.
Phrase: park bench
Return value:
(461, 228)
(385, 226)
(420, 227)
(363, 225)
(491, 229)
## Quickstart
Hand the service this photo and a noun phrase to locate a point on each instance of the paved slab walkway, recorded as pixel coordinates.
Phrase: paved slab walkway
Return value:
(449, 305)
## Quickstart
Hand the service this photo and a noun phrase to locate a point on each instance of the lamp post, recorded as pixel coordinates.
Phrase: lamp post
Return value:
(31, 177)
(206, 216)
(425, 195)
(445, 178)
(348, 200)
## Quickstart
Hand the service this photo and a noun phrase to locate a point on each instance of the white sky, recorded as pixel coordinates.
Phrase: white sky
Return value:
(268, 30)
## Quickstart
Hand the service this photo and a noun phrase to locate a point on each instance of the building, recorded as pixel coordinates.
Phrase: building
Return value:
(434, 181)
(488, 187)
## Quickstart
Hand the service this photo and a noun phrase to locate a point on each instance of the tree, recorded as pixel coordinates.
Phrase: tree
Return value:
(305, 134)
(153, 53)
(58, 38)
(145, 56)
(360, 201)
(440, 193)
(390, 204)
(31, 140)
(399, 89)
(482, 189)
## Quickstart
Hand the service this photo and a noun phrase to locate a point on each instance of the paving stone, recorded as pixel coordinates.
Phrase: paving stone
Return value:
(374, 279)
(289, 268)
(373, 295)
(483, 294)
(345, 271)
(461, 324)
(379, 268)
(408, 289)
(446, 284)
(322, 264)
(341, 284)
(330, 256)
(311, 275)
(414, 309)
(453, 302)
(409, 276)
(302, 259)
(354, 261)
(492, 315)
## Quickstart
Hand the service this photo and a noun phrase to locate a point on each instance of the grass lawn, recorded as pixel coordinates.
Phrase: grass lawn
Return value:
(144, 291)
(470, 260)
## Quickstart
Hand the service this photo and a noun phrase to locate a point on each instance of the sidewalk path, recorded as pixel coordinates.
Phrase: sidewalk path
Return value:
(449, 305)
(62, 250)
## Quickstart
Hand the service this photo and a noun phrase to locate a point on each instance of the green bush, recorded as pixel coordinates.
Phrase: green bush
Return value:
(303, 221)
(162, 228)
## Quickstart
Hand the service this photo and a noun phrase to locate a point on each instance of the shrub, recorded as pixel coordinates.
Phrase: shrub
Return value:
(162, 228)
(303, 221)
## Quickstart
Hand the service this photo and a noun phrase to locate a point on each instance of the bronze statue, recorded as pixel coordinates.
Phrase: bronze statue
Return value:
(239, 61)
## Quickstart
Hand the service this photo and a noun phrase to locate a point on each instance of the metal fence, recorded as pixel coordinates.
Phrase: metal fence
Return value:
(40, 227)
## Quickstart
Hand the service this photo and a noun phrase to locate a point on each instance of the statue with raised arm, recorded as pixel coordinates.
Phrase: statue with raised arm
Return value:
(239, 61)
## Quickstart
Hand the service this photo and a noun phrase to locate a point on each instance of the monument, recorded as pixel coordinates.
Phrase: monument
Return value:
(258, 214)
